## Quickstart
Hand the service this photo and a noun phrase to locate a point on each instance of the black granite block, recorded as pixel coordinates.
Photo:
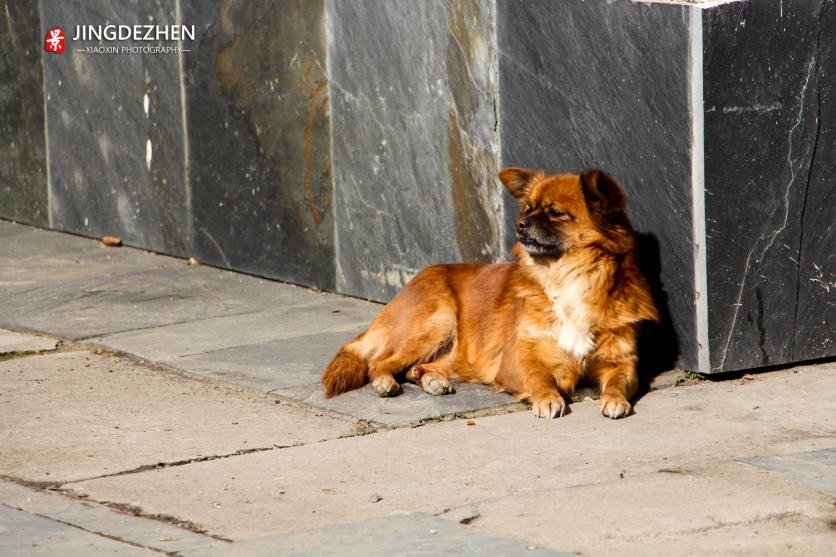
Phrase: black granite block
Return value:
(770, 155)
(115, 130)
(23, 188)
(815, 314)
(413, 90)
(602, 84)
(259, 138)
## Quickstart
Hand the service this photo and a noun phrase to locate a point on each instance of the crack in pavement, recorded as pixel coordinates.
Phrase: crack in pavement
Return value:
(184, 462)
(134, 510)
(93, 532)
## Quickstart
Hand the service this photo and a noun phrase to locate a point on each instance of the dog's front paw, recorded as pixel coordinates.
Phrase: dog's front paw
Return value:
(386, 386)
(614, 407)
(435, 384)
(550, 406)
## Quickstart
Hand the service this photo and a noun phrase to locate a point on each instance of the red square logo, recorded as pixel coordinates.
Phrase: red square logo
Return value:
(54, 41)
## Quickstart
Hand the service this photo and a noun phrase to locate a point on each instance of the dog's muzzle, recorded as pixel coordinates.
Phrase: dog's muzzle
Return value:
(538, 247)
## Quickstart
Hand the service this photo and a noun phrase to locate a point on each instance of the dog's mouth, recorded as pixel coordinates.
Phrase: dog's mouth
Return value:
(539, 249)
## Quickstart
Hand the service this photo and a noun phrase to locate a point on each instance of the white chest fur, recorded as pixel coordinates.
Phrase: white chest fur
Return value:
(572, 326)
(568, 289)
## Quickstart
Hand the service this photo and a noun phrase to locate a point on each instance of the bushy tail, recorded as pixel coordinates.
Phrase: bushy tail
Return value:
(346, 372)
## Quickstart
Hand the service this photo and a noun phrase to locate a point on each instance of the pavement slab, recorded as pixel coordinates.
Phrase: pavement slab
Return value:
(525, 462)
(321, 314)
(816, 469)
(11, 342)
(78, 288)
(109, 302)
(95, 519)
(276, 365)
(711, 508)
(402, 534)
(74, 415)
(23, 534)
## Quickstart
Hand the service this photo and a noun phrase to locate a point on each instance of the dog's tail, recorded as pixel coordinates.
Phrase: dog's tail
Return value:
(346, 372)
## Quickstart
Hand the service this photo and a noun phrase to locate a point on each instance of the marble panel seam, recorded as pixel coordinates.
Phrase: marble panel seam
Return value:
(339, 276)
(187, 182)
(46, 125)
(695, 82)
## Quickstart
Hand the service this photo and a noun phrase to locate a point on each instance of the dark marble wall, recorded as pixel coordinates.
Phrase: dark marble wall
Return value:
(259, 138)
(626, 113)
(115, 131)
(23, 188)
(770, 156)
(413, 89)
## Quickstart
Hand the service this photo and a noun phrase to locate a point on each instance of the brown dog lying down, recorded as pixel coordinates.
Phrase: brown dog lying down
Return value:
(568, 308)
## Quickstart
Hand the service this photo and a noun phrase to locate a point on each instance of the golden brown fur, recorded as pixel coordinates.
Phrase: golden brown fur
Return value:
(568, 308)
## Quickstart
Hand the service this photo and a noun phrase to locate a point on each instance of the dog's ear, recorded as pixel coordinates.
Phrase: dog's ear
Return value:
(604, 197)
(517, 181)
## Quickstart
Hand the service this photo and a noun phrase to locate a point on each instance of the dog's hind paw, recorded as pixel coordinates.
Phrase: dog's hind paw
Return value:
(614, 407)
(549, 407)
(386, 386)
(435, 384)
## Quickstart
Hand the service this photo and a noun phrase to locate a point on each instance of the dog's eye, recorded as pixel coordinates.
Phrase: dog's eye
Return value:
(554, 213)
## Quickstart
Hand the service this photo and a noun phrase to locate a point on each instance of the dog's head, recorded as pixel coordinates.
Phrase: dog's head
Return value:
(563, 212)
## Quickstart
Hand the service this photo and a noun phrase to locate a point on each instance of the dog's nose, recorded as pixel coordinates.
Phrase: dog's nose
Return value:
(522, 225)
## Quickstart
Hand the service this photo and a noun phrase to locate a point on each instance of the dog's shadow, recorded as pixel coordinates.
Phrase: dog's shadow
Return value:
(658, 342)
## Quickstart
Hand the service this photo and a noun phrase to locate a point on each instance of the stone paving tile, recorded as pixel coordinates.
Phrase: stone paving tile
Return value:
(76, 288)
(23, 534)
(74, 415)
(816, 469)
(281, 364)
(100, 519)
(281, 319)
(403, 534)
(11, 341)
(107, 303)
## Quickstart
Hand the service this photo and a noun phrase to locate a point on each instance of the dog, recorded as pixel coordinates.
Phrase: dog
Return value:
(567, 308)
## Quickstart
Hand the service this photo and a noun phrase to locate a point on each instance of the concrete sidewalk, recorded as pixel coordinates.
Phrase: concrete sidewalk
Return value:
(162, 407)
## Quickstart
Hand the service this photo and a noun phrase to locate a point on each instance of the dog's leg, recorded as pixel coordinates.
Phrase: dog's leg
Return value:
(526, 372)
(546, 400)
(434, 377)
(619, 382)
(614, 368)
(566, 373)
(382, 376)
(420, 343)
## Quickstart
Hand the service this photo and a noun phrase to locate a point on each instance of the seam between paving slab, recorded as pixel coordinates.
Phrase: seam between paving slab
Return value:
(122, 508)
(183, 462)
(83, 529)
(133, 510)
(100, 338)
